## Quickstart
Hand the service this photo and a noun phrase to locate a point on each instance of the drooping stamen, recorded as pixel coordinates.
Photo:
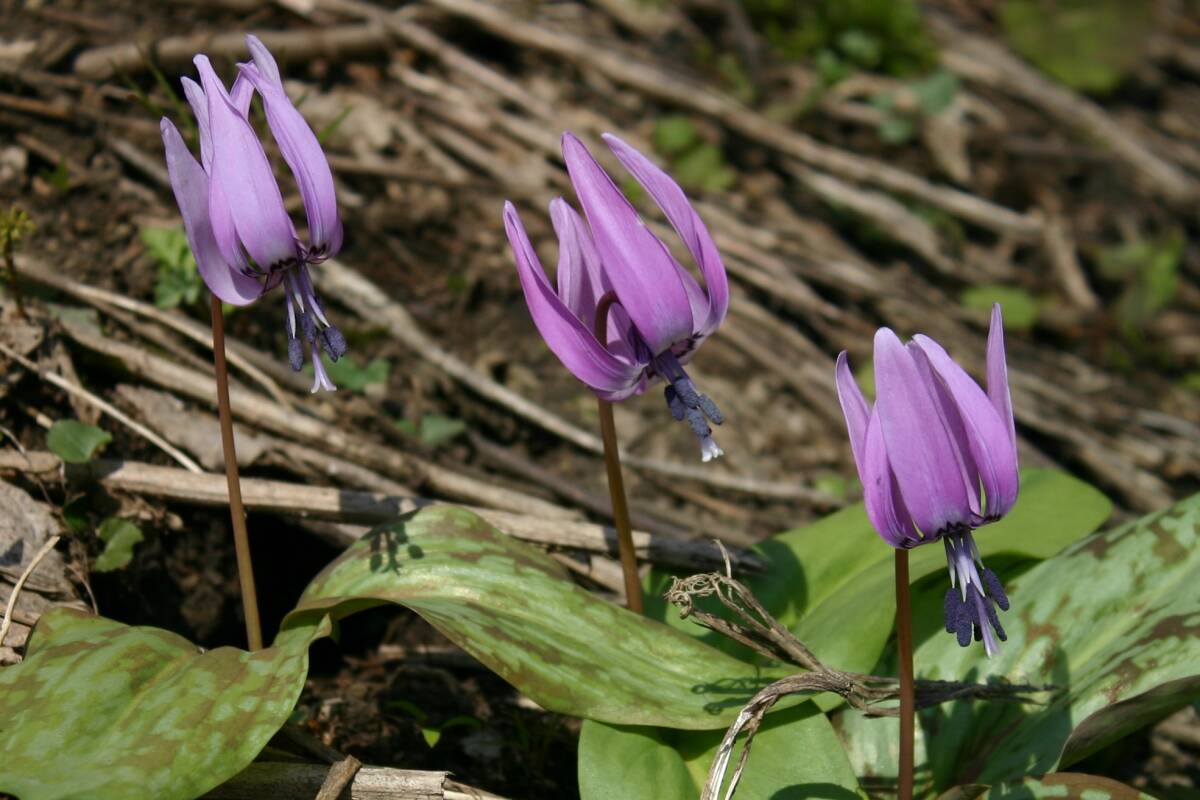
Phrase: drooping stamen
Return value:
(688, 405)
(974, 594)
(320, 377)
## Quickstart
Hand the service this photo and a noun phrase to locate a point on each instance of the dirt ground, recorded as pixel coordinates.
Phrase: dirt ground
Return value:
(843, 198)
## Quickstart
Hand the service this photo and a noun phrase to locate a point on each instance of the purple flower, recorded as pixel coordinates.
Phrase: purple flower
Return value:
(657, 314)
(937, 456)
(240, 233)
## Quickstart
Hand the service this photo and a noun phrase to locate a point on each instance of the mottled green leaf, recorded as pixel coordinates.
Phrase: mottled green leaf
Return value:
(1063, 785)
(1113, 622)
(105, 711)
(511, 607)
(76, 442)
(795, 754)
(119, 537)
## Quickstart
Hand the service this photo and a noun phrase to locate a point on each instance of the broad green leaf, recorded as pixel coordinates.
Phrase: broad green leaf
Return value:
(795, 754)
(1087, 44)
(105, 711)
(1019, 306)
(76, 442)
(1061, 785)
(119, 537)
(511, 607)
(832, 582)
(1113, 622)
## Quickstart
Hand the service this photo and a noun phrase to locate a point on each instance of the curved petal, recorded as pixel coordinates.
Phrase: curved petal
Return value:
(264, 60)
(638, 264)
(687, 223)
(573, 342)
(986, 433)
(952, 420)
(881, 493)
(301, 151)
(581, 282)
(199, 103)
(855, 409)
(920, 450)
(190, 185)
(997, 376)
(240, 168)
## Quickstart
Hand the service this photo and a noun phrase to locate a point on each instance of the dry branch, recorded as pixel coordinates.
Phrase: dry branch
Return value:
(297, 781)
(980, 60)
(625, 68)
(366, 508)
(102, 63)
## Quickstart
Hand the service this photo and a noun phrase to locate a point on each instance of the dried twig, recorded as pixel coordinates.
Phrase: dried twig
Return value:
(103, 405)
(279, 497)
(757, 629)
(46, 547)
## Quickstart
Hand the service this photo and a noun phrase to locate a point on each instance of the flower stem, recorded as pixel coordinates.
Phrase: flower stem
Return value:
(616, 490)
(904, 646)
(241, 541)
(616, 483)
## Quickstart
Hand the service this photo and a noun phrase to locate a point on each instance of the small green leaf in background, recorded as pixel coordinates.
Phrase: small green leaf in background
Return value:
(1089, 45)
(76, 442)
(1019, 307)
(179, 281)
(349, 373)
(674, 133)
(896, 129)
(1150, 270)
(59, 177)
(119, 537)
(936, 93)
(861, 47)
(433, 430)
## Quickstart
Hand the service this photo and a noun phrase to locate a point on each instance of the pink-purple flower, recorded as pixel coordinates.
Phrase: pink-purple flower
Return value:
(243, 239)
(937, 456)
(657, 313)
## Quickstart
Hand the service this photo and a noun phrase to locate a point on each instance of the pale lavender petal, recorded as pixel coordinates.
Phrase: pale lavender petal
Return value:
(264, 60)
(572, 341)
(986, 433)
(638, 264)
(199, 103)
(997, 376)
(241, 94)
(303, 155)
(190, 185)
(581, 281)
(855, 409)
(687, 223)
(919, 448)
(881, 494)
(951, 418)
(240, 168)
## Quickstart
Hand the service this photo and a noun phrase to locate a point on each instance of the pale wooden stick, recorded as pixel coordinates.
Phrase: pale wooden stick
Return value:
(46, 547)
(365, 508)
(103, 405)
(37, 270)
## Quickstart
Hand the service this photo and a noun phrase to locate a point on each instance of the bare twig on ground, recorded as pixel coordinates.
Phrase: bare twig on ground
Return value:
(367, 508)
(978, 59)
(15, 595)
(102, 404)
(293, 45)
(292, 781)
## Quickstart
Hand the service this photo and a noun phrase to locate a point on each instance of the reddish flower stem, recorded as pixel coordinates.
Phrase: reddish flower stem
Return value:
(616, 483)
(904, 647)
(241, 540)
